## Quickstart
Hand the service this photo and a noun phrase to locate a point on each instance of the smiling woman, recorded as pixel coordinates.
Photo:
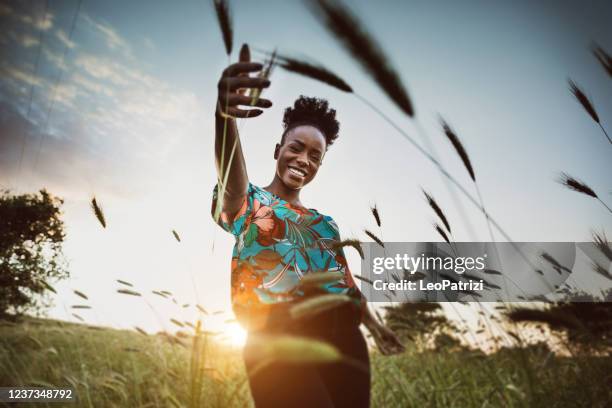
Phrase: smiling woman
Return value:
(279, 241)
(310, 128)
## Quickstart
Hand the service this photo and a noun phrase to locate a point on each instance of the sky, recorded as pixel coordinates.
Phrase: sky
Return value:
(116, 101)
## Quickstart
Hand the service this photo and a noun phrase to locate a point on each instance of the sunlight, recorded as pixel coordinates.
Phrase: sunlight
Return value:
(236, 335)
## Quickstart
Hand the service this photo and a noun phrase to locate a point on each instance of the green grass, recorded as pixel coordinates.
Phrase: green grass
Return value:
(121, 368)
(109, 367)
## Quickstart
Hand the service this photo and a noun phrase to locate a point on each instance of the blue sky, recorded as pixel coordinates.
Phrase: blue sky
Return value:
(131, 123)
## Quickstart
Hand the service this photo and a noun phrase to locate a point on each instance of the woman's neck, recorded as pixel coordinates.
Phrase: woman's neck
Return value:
(278, 188)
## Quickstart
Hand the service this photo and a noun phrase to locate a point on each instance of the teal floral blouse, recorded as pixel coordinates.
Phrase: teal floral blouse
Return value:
(277, 244)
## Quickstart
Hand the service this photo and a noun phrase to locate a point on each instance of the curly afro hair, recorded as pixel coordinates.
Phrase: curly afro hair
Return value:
(314, 112)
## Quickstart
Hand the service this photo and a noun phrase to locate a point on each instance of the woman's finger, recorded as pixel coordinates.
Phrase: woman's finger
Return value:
(243, 113)
(235, 99)
(245, 56)
(245, 53)
(234, 83)
(242, 67)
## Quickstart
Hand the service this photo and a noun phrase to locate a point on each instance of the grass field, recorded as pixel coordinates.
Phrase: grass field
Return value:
(109, 367)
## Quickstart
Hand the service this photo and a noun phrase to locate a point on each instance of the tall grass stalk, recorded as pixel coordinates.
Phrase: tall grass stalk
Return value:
(351, 33)
(197, 365)
(363, 47)
(225, 23)
(603, 57)
(580, 187)
(587, 105)
(446, 174)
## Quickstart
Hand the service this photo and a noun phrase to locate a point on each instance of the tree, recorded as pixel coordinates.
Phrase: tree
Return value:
(31, 237)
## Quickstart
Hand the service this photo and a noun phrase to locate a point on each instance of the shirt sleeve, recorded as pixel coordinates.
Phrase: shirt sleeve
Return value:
(238, 223)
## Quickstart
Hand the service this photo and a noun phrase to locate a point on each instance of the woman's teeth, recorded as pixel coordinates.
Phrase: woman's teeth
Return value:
(296, 172)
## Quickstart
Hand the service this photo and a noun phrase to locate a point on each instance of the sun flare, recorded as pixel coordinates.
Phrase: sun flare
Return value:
(235, 334)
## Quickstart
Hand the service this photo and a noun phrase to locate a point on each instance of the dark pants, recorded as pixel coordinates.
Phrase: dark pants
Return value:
(314, 385)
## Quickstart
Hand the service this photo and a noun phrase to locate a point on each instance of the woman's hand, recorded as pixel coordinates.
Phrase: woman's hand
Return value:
(234, 82)
(385, 339)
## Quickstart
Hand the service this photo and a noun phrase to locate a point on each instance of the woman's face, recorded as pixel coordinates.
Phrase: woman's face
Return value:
(299, 158)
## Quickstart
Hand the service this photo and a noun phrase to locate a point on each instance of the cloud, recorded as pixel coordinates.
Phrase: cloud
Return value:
(102, 68)
(55, 59)
(65, 94)
(104, 114)
(63, 37)
(92, 86)
(28, 41)
(113, 40)
(22, 27)
(20, 76)
(66, 166)
(44, 23)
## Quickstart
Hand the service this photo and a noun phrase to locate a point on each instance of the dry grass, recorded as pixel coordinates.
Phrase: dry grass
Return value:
(374, 237)
(604, 58)
(128, 292)
(255, 93)
(351, 33)
(176, 322)
(440, 231)
(376, 215)
(98, 212)
(317, 304)
(318, 279)
(583, 100)
(454, 139)
(314, 71)
(361, 278)
(434, 206)
(588, 106)
(292, 349)
(580, 187)
(225, 23)
(354, 243)
(576, 185)
(126, 368)
(601, 242)
(80, 294)
(600, 270)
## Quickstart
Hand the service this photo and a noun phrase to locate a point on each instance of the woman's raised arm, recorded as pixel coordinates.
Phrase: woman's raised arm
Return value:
(232, 86)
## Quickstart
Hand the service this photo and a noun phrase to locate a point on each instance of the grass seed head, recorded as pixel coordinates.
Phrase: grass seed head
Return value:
(225, 23)
(350, 32)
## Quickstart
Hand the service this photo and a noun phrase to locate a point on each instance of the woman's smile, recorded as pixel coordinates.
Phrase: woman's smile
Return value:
(299, 173)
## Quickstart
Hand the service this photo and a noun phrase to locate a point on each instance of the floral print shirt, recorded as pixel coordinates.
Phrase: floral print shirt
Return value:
(278, 243)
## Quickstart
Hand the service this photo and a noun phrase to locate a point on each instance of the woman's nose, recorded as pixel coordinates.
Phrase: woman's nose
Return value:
(303, 160)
